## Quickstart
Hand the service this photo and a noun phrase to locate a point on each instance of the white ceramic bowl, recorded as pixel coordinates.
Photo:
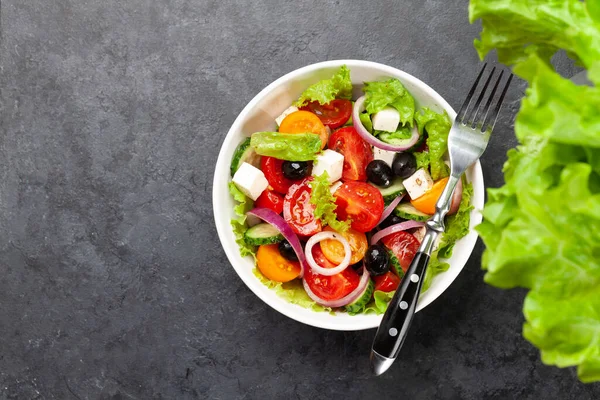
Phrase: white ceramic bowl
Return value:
(259, 115)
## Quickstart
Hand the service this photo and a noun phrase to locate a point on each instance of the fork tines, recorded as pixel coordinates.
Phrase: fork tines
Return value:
(481, 117)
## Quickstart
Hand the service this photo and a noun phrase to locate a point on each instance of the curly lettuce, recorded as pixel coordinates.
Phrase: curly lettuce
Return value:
(391, 92)
(542, 228)
(239, 224)
(437, 127)
(518, 28)
(338, 86)
(324, 201)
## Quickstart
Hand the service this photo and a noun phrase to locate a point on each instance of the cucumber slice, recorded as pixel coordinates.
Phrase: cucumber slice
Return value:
(244, 153)
(359, 304)
(262, 233)
(407, 211)
(390, 193)
(395, 264)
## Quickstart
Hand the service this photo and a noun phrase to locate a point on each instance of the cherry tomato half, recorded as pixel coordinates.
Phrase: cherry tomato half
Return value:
(271, 167)
(298, 211)
(426, 203)
(404, 246)
(333, 114)
(357, 153)
(360, 202)
(387, 282)
(304, 122)
(274, 266)
(270, 199)
(330, 287)
(334, 250)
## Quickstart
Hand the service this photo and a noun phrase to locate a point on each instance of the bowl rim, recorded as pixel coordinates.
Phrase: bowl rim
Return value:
(224, 229)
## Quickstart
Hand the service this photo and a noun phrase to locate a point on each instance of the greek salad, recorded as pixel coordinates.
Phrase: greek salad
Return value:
(332, 202)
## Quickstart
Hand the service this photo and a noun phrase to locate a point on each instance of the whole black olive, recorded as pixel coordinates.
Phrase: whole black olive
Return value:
(294, 169)
(404, 165)
(379, 173)
(287, 251)
(393, 219)
(377, 260)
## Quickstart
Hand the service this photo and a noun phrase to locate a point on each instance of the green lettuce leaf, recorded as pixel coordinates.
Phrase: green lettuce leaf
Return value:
(292, 291)
(422, 159)
(437, 127)
(435, 267)
(339, 86)
(457, 225)
(366, 121)
(542, 228)
(239, 224)
(518, 28)
(287, 146)
(324, 201)
(379, 303)
(391, 92)
(399, 137)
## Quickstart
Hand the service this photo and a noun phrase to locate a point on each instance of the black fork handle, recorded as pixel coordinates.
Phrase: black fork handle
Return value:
(397, 319)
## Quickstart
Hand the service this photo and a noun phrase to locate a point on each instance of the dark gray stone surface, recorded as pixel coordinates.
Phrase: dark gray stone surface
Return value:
(113, 284)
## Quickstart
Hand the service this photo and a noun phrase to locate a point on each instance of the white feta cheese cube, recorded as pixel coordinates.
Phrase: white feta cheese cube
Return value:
(386, 120)
(384, 155)
(250, 180)
(418, 183)
(284, 114)
(335, 187)
(330, 161)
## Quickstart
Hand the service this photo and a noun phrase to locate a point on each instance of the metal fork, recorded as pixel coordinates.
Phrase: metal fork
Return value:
(467, 141)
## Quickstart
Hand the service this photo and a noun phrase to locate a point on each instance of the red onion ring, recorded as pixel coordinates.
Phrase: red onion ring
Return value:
(456, 198)
(271, 217)
(359, 106)
(402, 226)
(388, 210)
(318, 237)
(362, 284)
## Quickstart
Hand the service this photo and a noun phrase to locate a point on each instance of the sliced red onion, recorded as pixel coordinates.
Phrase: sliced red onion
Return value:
(271, 217)
(324, 236)
(359, 106)
(362, 284)
(388, 210)
(402, 226)
(456, 198)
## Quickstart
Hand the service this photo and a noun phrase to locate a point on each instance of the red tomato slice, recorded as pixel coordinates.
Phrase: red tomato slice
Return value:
(270, 199)
(404, 246)
(298, 211)
(387, 282)
(271, 167)
(360, 202)
(357, 153)
(333, 114)
(330, 287)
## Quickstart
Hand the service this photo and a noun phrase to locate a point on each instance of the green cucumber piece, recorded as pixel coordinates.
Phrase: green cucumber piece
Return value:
(359, 304)
(407, 211)
(395, 265)
(244, 153)
(390, 193)
(262, 233)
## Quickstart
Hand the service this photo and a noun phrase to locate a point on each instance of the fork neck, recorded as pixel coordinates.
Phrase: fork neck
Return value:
(443, 205)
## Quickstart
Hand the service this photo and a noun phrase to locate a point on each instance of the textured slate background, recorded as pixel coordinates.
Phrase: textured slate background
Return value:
(113, 284)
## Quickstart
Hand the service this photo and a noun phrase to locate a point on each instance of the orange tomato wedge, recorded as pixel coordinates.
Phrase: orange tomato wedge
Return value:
(304, 122)
(334, 250)
(274, 266)
(426, 203)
